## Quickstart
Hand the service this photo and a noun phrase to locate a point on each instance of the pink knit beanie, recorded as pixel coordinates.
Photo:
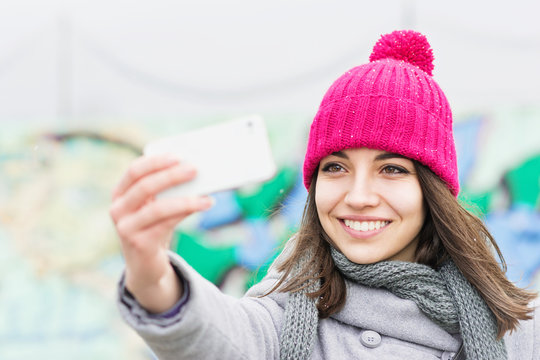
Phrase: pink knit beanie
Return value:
(391, 103)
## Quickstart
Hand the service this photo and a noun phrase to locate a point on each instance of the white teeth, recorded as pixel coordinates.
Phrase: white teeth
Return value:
(365, 225)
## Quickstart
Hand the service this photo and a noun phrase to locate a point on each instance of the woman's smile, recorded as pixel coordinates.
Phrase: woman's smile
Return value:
(364, 228)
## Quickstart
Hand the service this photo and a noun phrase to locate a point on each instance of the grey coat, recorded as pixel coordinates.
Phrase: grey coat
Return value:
(212, 325)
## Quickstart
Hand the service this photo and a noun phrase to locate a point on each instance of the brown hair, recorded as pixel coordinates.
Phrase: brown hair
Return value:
(449, 231)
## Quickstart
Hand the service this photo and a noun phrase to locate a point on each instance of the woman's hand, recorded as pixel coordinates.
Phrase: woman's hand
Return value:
(145, 226)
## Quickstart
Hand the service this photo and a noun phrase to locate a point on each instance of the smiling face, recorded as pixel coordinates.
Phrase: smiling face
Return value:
(370, 204)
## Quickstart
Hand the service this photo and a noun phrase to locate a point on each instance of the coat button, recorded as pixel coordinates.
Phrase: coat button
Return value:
(447, 355)
(370, 339)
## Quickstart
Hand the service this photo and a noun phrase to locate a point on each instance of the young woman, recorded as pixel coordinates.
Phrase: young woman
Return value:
(386, 263)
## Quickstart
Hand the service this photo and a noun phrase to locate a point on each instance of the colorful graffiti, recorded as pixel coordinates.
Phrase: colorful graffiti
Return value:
(60, 257)
(269, 215)
(510, 206)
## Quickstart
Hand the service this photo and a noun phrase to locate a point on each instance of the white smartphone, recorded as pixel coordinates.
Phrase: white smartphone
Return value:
(227, 156)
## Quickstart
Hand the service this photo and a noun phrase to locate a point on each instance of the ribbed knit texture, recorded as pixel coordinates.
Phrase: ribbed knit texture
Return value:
(301, 332)
(445, 296)
(478, 324)
(391, 104)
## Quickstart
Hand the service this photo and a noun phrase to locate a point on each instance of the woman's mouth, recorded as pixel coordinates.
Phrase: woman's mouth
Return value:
(365, 226)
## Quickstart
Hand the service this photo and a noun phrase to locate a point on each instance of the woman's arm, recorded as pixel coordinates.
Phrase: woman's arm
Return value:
(208, 324)
(211, 325)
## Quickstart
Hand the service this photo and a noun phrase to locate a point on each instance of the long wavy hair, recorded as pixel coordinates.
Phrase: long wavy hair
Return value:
(449, 231)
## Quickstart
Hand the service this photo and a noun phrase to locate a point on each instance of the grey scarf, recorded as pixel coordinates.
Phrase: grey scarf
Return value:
(445, 296)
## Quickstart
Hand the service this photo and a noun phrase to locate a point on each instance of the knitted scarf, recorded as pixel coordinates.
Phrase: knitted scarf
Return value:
(445, 296)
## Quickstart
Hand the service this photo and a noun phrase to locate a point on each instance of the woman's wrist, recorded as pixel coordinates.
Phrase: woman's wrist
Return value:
(162, 295)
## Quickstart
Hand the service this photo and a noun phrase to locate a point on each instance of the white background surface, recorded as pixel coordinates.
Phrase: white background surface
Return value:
(72, 61)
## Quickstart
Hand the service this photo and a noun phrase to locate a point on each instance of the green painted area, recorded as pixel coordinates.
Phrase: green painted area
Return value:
(477, 203)
(264, 199)
(524, 183)
(212, 262)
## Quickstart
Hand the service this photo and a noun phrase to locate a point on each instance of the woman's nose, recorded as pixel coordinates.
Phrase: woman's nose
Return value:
(362, 193)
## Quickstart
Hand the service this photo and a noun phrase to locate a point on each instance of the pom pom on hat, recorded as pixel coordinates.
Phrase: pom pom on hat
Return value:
(406, 45)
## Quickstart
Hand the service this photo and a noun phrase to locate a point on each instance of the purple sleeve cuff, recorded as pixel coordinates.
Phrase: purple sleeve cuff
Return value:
(162, 319)
(175, 310)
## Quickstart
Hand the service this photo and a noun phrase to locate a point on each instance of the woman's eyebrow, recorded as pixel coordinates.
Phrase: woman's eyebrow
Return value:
(387, 155)
(340, 154)
(380, 157)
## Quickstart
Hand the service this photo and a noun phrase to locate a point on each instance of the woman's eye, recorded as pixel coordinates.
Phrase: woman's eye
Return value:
(391, 169)
(332, 168)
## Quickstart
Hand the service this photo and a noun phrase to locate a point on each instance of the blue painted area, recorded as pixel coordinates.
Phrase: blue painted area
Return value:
(259, 247)
(466, 138)
(225, 211)
(517, 232)
(293, 204)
